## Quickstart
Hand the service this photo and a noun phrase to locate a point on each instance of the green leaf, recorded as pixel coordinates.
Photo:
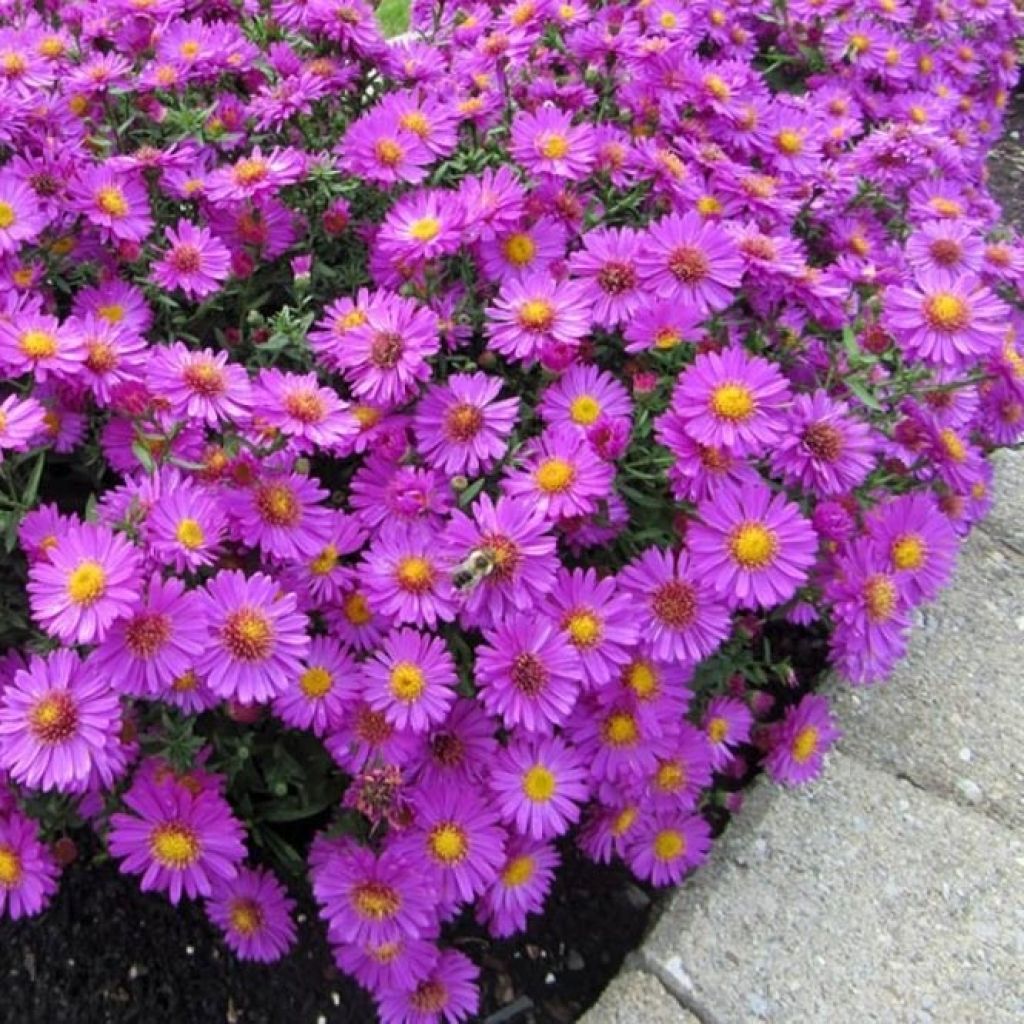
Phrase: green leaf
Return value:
(863, 394)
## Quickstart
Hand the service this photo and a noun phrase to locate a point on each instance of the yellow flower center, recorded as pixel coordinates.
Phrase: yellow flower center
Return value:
(246, 916)
(10, 867)
(536, 314)
(624, 821)
(733, 402)
(539, 784)
(952, 444)
(584, 627)
(620, 729)
(316, 681)
(789, 142)
(189, 534)
(407, 682)
(718, 729)
(670, 777)
(426, 229)
(415, 574)
(584, 410)
(880, 597)
(38, 344)
(717, 87)
(388, 152)
(669, 844)
(554, 146)
(517, 872)
(448, 842)
(666, 338)
(519, 249)
(325, 562)
(376, 900)
(642, 679)
(415, 121)
(174, 845)
(111, 201)
(753, 545)
(87, 583)
(946, 312)
(708, 206)
(357, 609)
(250, 171)
(554, 475)
(805, 744)
(7, 215)
(908, 551)
(189, 49)
(248, 634)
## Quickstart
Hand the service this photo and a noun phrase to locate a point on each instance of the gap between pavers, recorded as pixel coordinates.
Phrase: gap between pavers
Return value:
(892, 890)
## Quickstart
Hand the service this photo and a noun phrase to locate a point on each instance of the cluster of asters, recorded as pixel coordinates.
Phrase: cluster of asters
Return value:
(661, 320)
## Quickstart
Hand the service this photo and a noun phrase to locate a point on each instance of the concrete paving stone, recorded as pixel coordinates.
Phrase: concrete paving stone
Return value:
(637, 998)
(855, 900)
(951, 718)
(1006, 520)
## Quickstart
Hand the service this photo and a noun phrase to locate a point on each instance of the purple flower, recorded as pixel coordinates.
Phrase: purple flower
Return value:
(608, 262)
(257, 640)
(22, 420)
(200, 384)
(668, 844)
(533, 311)
(197, 261)
(800, 741)
(411, 679)
(727, 723)
(539, 786)
(90, 579)
(448, 993)
(28, 872)
(528, 673)
(320, 695)
(754, 547)
(254, 912)
(177, 839)
(547, 142)
(520, 889)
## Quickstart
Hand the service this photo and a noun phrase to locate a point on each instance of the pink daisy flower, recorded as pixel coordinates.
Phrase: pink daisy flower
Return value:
(254, 913)
(448, 993)
(523, 249)
(186, 527)
(180, 840)
(22, 420)
(691, 261)
(583, 396)
(462, 426)
(396, 966)
(459, 749)
(299, 408)
(547, 142)
(118, 303)
(826, 450)
(90, 579)
(727, 723)
(608, 263)
(200, 384)
(114, 356)
(373, 899)
(158, 641)
(283, 515)
(520, 889)
(683, 771)
(562, 474)
(666, 845)
(28, 872)
(683, 618)
(732, 400)
(533, 312)
(412, 680)
(257, 640)
(40, 345)
(944, 321)
(528, 673)
(421, 226)
(800, 741)
(700, 471)
(116, 203)
(58, 721)
(320, 695)
(515, 537)
(405, 578)
(21, 218)
(366, 738)
(377, 148)
(539, 786)
(256, 175)
(754, 547)
(598, 618)
(945, 246)
(197, 262)
(456, 839)
(384, 357)
(662, 326)
(919, 542)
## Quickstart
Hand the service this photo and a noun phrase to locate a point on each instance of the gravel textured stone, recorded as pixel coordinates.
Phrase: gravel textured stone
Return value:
(1006, 520)
(637, 998)
(860, 898)
(950, 718)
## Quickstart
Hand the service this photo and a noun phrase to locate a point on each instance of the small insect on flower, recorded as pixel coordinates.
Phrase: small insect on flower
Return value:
(474, 569)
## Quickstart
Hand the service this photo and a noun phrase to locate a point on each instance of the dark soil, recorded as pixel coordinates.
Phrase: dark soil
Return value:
(105, 953)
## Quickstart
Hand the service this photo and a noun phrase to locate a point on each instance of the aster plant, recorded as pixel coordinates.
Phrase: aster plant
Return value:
(422, 444)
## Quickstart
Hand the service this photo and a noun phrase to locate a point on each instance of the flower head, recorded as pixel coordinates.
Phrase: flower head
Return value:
(254, 912)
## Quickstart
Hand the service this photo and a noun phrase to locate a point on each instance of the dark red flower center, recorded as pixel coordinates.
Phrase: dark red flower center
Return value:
(675, 604)
(529, 674)
(824, 441)
(688, 264)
